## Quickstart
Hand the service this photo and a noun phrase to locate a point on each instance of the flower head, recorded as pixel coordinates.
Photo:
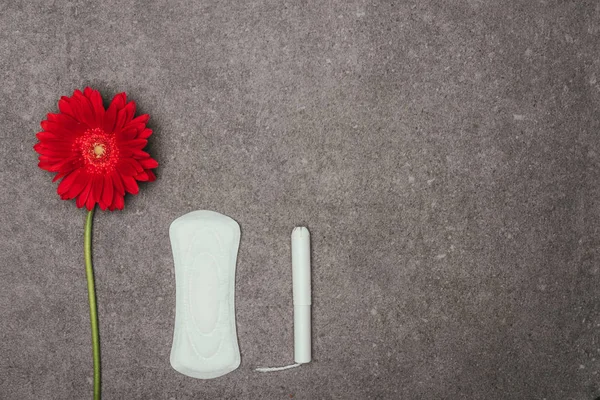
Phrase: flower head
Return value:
(97, 152)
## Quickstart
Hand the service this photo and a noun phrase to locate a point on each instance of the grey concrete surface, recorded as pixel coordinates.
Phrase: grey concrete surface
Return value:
(444, 154)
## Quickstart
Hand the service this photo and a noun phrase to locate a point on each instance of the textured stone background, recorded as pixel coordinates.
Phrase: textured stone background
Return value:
(445, 156)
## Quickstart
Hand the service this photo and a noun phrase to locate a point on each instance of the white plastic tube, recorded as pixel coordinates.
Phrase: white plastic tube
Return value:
(301, 294)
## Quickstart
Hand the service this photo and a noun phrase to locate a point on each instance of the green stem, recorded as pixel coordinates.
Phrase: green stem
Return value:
(89, 274)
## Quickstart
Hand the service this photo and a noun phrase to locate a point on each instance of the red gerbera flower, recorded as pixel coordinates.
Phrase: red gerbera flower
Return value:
(98, 153)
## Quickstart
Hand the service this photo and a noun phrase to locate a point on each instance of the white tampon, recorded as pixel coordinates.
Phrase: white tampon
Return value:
(302, 299)
(301, 294)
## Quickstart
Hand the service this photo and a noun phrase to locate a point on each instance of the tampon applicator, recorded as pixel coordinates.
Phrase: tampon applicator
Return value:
(301, 294)
(302, 299)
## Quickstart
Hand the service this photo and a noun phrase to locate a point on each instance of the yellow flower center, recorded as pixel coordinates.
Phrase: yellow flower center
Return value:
(99, 150)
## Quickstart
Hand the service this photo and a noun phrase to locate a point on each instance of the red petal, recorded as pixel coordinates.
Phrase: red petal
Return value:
(48, 137)
(110, 118)
(86, 110)
(138, 123)
(82, 197)
(136, 143)
(131, 185)
(138, 167)
(43, 136)
(125, 152)
(120, 100)
(61, 130)
(68, 164)
(61, 118)
(119, 188)
(96, 193)
(65, 107)
(151, 176)
(120, 119)
(53, 151)
(89, 203)
(58, 176)
(78, 186)
(118, 202)
(47, 166)
(139, 154)
(145, 134)
(97, 104)
(125, 115)
(140, 119)
(66, 183)
(148, 163)
(142, 176)
(76, 107)
(126, 169)
(128, 133)
(130, 112)
(108, 190)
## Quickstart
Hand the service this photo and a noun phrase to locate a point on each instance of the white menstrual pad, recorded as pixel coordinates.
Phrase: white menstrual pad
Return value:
(205, 246)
